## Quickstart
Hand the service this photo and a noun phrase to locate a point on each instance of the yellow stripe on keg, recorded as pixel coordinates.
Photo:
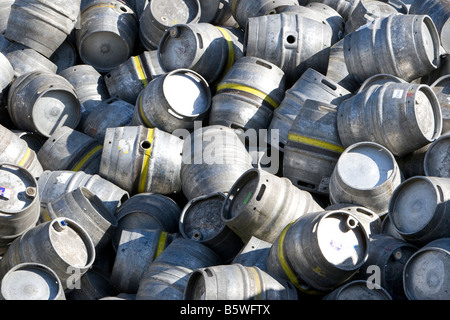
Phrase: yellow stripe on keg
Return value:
(282, 259)
(140, 70)
(146, 162)
(141, 112)
(161, 243)
(227, 37)
(316, 143)
(233, 7)
(250, 90)
(25, 157)
(86, 158)
(258, 284)
(101, 6)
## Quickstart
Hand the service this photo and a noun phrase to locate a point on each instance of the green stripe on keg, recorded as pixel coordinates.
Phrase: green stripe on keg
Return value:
(140, 70)
(247, 198)
(253, 91)
(227, 37)
(315, 143)
(25, 157)
(146, 162)
(161, 243)
(81, 163)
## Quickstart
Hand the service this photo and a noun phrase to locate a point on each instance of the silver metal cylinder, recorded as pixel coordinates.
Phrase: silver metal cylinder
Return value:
(42, 25)
(65, 56)
(440, 87)
(343, 7)
(253, 254)
(248, 94)
(140, 159)
(365, 174)
(236, 282)
(262, 204)
(358, 290)
(7, 72)
(5, 9)
(337, 69)
(436, 162)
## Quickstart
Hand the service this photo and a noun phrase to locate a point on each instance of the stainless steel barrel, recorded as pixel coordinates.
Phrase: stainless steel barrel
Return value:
(7, 72)
(5, 6)
(65, 56)
(253, 254)
(237, 282)
(358, 290)
(262, 204)
(140, 159)
(436, 162)
(343, 7)
(440, 87)
(42, 102)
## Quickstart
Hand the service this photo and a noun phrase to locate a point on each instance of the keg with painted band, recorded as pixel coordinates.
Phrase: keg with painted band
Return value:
(319, 251)
(140, 159)
(166, 277)
(237, 282)
(322, 13)
(31, 281)
(343, 7)
(7, 72)
(402, 117)
(19, 203)
(5, 10)
(217, 12)
(439, 12)
(33, 140)
(84, 207)
(24, 60)
(128, 79)
(173, 101)
(43, 102)
(440, 88)
(194, 46)
(290, 41)
(254, 253)
(425, 273)
(201, 221)
(313, 147)
(404, 45)
(387, 256)
(311, 85)
(108, 34)
(365, 174)
(147, 211)
(358, 290)
(368, 10)
(437, 158)
(244, 9)
(41, 24)
(16, 151)
(161, 15)
(137, 249)
(61, 244)
(110, 113)
(419, 209)
(262, 204)
(214, 157)
(89, 85)
(248, 94)
(54, 184)
(70, 149)
(65, 56)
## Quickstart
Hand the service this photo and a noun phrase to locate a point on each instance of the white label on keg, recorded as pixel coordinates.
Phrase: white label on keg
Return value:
(5, 193)
(397, 94)
(63, 177)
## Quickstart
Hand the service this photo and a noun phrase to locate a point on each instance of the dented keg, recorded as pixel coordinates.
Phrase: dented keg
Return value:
(43, 102)
(262, 204)
(19, 203)
(319, 251)
(16, 151)
(173, 101)
(140, 159)
(402, 117)
(213, 158)
(84, 207)
(403, 45)
(42, 25)
(110, 113)
(159, 15)
(107, 34)
(54, 184)
(313, 147)
(61, 244)
(311, 85)
(425, 273)
(70, 149)
(166, 277)
(358, 290)
(201, 221)
(365, 174)
(248, 94)
(237, 282)
(194, 46)
(419, 209)
(136, 250)
(292, 42)
(31, 281)
(128, 79)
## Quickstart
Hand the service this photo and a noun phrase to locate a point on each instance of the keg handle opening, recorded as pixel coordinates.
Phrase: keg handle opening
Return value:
(351, 223)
